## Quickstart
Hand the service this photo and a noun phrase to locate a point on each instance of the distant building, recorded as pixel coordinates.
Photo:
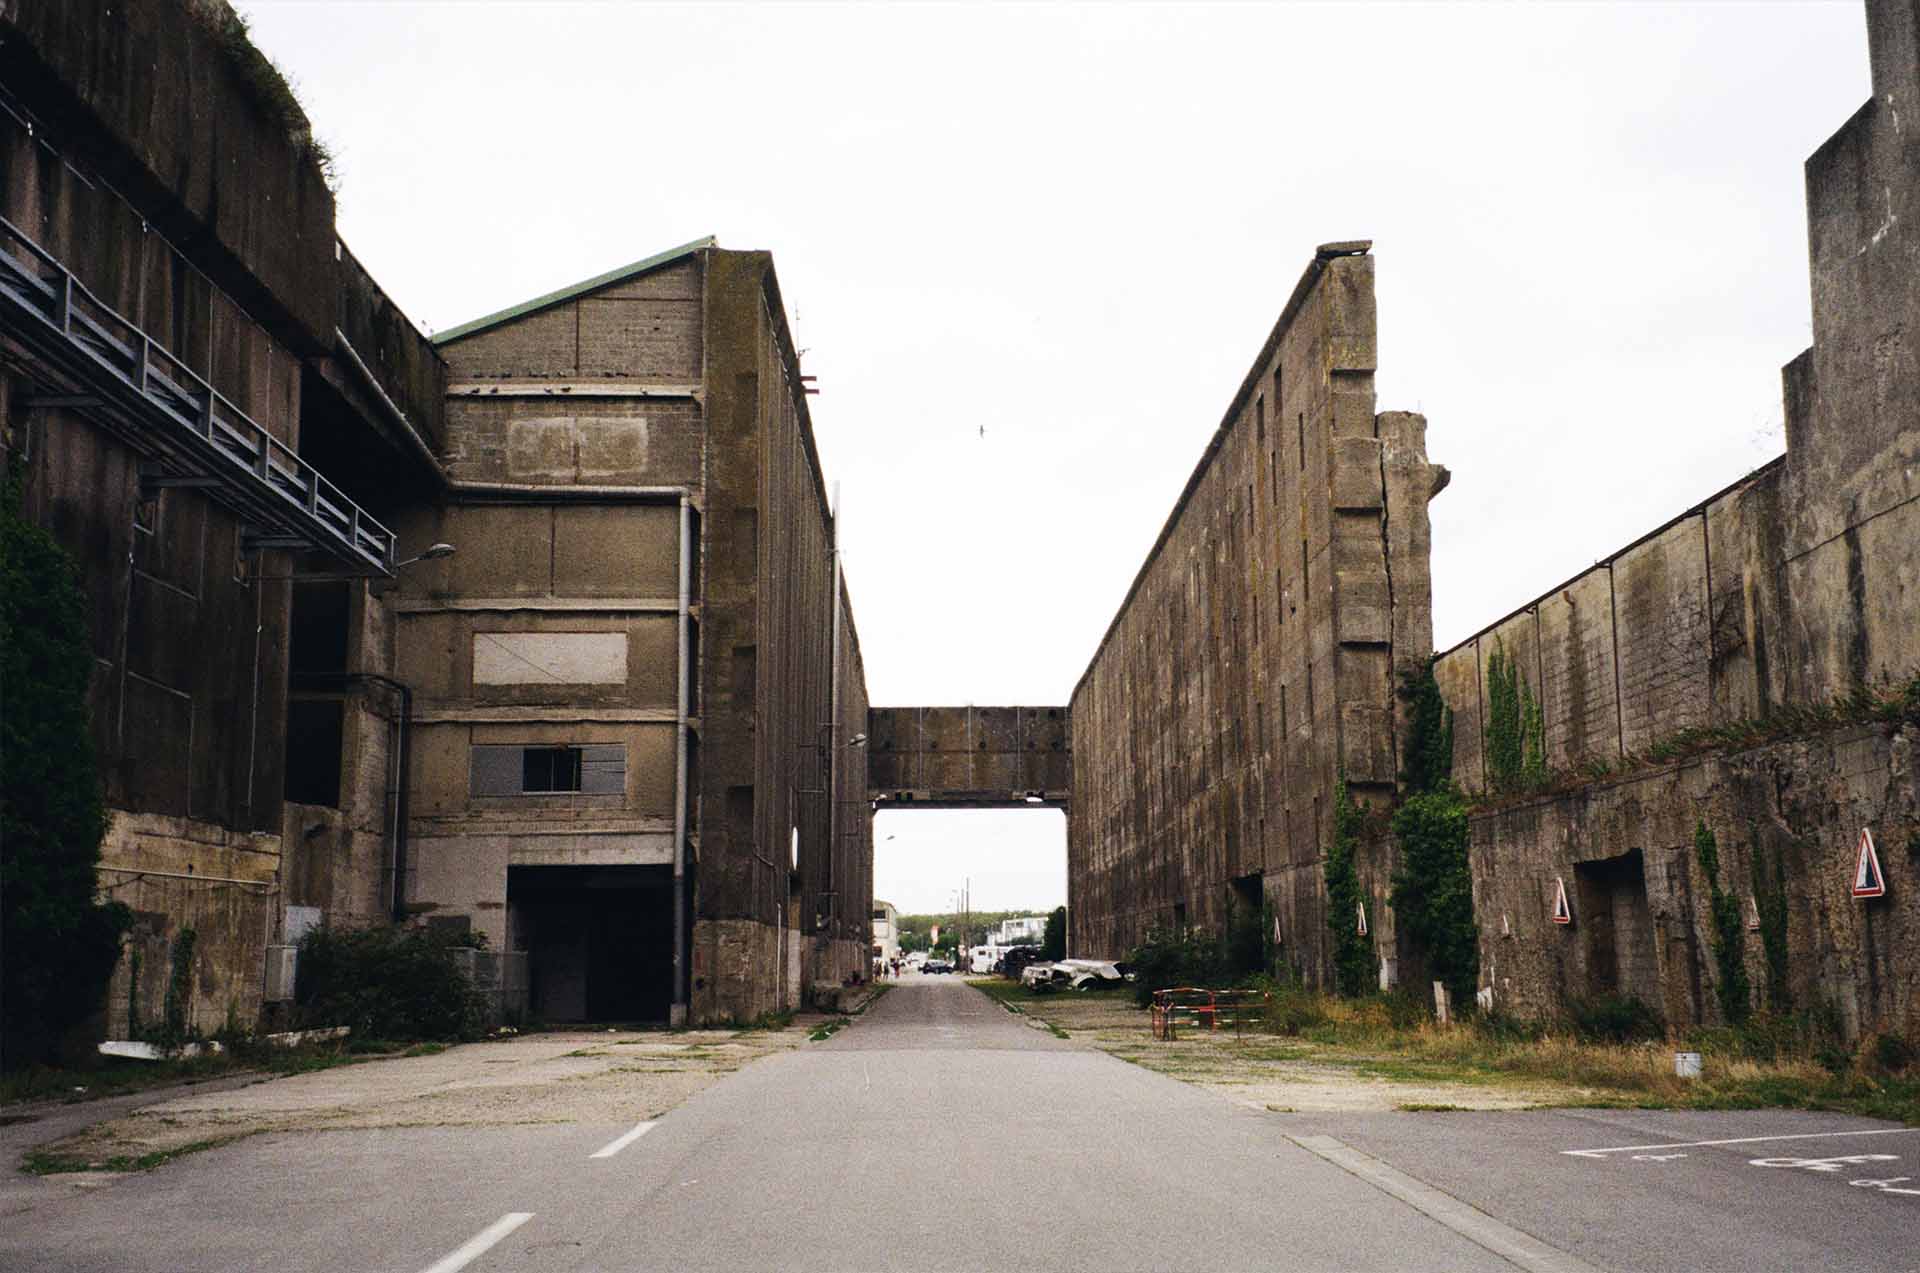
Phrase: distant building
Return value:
(886, 931)
(1014, 932)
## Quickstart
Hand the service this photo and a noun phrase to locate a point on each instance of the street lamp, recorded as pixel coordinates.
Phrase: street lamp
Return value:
(433, 552)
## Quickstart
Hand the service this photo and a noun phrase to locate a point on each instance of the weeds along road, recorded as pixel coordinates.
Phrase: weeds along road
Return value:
(938, 1132)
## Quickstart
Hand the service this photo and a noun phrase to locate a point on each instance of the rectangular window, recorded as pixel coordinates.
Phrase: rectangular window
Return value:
(595, 769)
(1260, 419)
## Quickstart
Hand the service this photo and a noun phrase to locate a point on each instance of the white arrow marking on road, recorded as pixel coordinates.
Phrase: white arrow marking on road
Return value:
(1737, 1140)
(620, 1142)
(481, 1242)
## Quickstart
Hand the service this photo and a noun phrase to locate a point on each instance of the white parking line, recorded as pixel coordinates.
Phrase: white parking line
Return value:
(480, 1242)
(1522, 1249)
(619, 1143)
(1737, 1140)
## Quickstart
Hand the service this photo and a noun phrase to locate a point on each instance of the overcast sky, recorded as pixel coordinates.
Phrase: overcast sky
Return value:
(1073, 227)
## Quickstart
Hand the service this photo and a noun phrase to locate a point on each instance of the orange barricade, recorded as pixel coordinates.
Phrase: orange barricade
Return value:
(1203, 1009)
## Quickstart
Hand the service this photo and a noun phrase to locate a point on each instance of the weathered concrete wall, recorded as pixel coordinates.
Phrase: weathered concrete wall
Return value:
(772, 754)
(177, 874)
(976, 757)
(172, 105)
(1256, 655)
(600, 390)
(1788, 814)
(1670, 633)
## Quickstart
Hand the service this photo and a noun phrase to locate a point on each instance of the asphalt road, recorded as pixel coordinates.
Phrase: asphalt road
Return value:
(940, 1132)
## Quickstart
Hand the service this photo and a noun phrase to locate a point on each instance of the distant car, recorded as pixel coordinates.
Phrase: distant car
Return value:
(1017, 959)
(936, 965)
(1041, 978)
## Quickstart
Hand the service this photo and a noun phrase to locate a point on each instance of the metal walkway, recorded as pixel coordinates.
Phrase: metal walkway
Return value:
(186, 432)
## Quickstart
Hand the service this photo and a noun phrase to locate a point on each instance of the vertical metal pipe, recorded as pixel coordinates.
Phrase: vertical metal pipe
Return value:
(677, 1014)
(833, 738)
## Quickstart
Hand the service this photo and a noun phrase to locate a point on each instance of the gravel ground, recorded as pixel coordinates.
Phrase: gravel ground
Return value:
(618, 1076)
(1279, 1074)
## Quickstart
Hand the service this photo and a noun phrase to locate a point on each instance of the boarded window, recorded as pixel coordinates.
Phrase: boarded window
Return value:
(549, 658)
(592, 769)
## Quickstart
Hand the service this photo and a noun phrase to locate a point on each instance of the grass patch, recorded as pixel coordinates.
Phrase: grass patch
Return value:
(41, 1163)
(827, 1029)
(1772, 1062)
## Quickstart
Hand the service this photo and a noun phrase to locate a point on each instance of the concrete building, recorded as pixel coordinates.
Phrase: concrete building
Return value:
(610, 732)
(1238, 680)
(1029, 928)
(183, 354)
(1255, 656)
(886, 932)
(604, 775)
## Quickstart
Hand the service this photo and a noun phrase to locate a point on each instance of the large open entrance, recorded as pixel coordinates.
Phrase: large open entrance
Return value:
(599, 940)
(1621, 958)
(987, 788)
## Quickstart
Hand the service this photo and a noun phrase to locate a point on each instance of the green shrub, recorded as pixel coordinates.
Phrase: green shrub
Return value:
(1892, 1053)
(1433, 887)
(1729, 935)
(1053, 942)
(1169, 959)
(61, 946)
(1353, 970)
(1614, 1019)
(1293, 1008)
(386, 983)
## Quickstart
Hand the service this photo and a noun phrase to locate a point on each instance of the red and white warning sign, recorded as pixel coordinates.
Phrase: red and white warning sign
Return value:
(1360, 909)
(1867, 879)
(1562, 913)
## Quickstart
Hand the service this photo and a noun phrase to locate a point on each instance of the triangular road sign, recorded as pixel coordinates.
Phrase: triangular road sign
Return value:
(1562, 913)
(1360, 908)
(1867, 879)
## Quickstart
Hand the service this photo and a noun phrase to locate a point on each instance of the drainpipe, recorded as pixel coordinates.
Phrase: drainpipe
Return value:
(833, 734)
(677, 1014)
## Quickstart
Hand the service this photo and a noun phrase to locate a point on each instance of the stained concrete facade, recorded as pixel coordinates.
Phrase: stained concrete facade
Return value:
(969, 757)
(628, 475)
(1787, 590)
(214, 247)
(613, 452)
(1783, 591)
(1255, 656)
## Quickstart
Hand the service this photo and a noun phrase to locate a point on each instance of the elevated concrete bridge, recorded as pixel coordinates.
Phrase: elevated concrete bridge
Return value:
(969, 757)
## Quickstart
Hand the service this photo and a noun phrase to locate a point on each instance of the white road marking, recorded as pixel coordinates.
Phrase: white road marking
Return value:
(1737, 1140)
(620, 1142)
(1822, 1164)
(1468, 1221)
(480, 1242)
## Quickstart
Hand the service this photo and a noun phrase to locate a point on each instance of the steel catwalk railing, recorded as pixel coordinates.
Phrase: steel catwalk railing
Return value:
(188, 432)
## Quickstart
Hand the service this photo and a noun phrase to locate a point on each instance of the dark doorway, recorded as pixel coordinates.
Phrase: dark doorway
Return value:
(1621, 959)
(599, 940)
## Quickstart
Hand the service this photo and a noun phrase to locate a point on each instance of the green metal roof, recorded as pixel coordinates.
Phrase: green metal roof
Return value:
(565, 294)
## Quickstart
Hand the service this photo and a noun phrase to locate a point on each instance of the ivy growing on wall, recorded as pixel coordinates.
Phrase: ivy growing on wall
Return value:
(1429, 757)
(61, 945)
(1433, 885)
(1516, 733)
(1729, 934)
(1770, 899)
(1353, 972)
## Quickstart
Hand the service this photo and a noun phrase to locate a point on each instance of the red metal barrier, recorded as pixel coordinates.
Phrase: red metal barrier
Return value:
(1210, 1010)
